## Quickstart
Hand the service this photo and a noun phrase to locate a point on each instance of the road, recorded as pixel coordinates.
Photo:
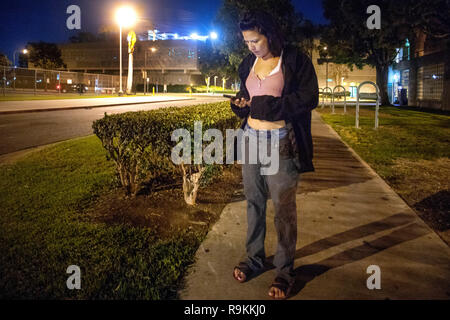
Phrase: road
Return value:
(27, 130)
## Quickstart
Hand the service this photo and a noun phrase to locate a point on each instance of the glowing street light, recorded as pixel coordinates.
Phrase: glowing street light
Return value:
(24, 51)
(194, 36)
(213, 35)
(125, 17)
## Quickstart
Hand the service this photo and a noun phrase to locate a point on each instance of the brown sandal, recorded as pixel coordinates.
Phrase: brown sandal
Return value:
(245, 269)
(283, 285)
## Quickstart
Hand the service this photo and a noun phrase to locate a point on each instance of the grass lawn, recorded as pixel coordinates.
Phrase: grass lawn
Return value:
(43, 231)
(410, 150)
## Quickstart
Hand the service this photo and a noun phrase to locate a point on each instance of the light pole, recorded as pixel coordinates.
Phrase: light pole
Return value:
(323, 53)
(24, 51)
(326, 60)
(215, 78)
(125, 17)
(153, 50)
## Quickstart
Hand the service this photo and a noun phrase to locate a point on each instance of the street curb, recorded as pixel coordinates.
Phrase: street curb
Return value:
(87, 107)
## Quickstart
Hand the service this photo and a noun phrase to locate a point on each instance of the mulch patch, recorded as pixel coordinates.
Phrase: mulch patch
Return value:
(165, 210)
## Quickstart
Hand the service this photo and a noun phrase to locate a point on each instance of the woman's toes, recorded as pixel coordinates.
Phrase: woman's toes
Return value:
(273, 292)
(276, 293)
(239, 275)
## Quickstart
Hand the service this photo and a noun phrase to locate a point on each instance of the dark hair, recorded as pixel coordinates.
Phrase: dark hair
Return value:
(265, 24)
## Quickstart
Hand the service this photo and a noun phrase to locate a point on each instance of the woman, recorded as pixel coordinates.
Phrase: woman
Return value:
(278, 91)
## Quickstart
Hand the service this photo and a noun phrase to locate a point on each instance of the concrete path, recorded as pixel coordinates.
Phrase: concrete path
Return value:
(8, 107)
(348, 220)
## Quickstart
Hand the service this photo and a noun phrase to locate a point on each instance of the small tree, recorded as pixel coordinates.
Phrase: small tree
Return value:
(4, 61)
(338, 71)
(211, 62)
(45, 55)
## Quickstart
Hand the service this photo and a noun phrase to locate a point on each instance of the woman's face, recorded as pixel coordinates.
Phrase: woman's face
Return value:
(257, 43)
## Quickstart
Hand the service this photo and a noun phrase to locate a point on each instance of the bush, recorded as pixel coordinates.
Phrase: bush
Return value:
(140, 142)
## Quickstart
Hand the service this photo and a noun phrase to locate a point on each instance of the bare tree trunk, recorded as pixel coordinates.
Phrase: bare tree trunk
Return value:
(191, 183)
(382, 80)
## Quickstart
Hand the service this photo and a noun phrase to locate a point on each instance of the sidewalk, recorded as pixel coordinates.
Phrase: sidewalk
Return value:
(9, 107)
(348, 219)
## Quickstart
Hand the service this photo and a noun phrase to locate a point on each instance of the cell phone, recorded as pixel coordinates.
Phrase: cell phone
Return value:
(229, 96)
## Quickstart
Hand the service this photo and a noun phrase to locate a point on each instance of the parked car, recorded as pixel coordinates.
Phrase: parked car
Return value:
(70, 88)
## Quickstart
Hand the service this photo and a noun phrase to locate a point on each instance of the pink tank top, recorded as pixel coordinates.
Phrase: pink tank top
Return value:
(271, 85)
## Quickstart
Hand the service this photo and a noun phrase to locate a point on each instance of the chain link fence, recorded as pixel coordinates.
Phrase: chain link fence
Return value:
(38, 81)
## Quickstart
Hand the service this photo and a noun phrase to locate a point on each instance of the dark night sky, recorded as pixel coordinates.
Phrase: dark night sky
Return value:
(25, 21)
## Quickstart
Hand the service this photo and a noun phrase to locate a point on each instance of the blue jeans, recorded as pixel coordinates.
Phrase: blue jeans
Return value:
(282, 188)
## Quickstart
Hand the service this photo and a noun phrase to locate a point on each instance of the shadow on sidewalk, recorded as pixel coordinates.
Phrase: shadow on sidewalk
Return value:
(335, 166)
(307, 273)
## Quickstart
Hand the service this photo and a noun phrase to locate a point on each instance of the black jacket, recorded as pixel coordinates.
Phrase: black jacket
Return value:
(299, 96)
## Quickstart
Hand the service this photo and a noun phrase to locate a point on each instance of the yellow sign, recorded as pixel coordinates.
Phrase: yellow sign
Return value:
(131, 41)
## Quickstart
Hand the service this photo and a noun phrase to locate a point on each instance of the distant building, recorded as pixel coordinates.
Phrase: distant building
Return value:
(421, 76)
(162, 61)
(167, 58)
(339, 74)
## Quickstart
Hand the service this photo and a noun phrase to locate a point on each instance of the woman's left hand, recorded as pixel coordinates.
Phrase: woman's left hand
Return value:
(241, 103)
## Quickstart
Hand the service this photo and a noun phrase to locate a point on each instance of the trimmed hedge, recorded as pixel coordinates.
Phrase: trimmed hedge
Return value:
(140, 142)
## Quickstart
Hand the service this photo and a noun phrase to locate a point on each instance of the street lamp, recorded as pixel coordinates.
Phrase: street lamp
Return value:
(24, 51)
(213, 35)
(153, 50)
(125, 17)
(326, 58)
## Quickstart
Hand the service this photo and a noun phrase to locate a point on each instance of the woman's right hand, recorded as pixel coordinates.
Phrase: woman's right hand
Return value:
(241, 103)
